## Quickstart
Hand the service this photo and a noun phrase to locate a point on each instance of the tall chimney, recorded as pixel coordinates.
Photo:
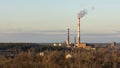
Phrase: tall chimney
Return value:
(68, 36)
(78, 31)
(75, 41)
(80, 15)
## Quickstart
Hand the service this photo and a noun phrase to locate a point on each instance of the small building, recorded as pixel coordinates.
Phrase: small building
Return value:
(68, 56)
(41, 54)
(88, 47)
(54, 44)
(59, 44)
(82, 45)
(113, 44)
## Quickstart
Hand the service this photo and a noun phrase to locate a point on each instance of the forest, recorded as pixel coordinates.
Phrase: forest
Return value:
(43, 56)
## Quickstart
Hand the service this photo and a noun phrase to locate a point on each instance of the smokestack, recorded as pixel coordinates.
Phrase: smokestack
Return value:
(80, 15)
(68, 36)
(78, 31)
(75, 41)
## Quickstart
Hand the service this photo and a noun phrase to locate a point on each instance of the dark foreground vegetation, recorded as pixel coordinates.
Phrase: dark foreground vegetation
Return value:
(42, 56)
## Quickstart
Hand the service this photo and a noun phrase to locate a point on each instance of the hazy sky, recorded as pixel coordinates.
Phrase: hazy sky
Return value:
(52, 15)
(37, 15)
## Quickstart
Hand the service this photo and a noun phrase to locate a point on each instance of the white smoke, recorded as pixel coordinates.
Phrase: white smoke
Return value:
(82, 13)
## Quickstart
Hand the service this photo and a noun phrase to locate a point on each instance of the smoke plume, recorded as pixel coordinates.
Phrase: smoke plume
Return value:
(82, 13)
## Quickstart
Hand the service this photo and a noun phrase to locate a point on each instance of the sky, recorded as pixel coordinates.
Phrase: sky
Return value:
(48, 20)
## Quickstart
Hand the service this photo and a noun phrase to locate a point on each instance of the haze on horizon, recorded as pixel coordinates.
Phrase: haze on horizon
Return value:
(37, 20)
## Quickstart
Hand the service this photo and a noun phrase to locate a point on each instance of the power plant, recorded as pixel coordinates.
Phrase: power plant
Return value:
(79, 44)
(78, 38)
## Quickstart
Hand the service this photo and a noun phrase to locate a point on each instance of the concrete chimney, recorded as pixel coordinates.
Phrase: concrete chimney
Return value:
(68, 36)
(75, 41)
(78, 31)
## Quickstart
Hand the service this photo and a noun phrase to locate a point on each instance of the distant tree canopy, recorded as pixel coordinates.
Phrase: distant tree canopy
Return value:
(26, 46)
(55, 57)
(22, 46)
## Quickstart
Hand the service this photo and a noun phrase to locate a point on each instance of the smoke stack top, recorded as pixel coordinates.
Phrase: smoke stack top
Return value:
(82, 13)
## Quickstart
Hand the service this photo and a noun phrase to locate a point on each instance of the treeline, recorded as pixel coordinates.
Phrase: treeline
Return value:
(26, 46)
(22, 46)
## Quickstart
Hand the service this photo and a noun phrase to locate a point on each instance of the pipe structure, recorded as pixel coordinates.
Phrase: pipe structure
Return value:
(74, 40)
(68, 36)
(78, 31)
